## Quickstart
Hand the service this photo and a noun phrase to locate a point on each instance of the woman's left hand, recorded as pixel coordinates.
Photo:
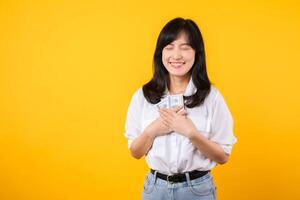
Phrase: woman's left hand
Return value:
(177, 121)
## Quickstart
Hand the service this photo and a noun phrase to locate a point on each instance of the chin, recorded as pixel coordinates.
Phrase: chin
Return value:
(178, 74)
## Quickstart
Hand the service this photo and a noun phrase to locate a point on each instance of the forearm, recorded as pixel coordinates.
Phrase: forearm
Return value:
(141, 145)
(209, 148)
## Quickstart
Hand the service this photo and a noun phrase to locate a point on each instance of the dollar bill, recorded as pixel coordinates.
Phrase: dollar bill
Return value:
(171, 101)
(164, 103)
(176, 100)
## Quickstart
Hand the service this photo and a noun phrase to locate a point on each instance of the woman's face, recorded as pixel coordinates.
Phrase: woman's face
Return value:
(178, 57)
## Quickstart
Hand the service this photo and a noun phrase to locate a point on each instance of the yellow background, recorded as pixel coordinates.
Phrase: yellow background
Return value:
(68, 70)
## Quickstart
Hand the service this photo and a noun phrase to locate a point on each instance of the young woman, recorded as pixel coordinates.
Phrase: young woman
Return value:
(178, 120)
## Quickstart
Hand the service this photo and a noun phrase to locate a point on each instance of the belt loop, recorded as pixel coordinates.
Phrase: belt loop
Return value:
(188, 180)
(155, 176)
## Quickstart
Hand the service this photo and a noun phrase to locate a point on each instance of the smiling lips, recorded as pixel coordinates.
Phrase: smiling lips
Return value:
(177, 64)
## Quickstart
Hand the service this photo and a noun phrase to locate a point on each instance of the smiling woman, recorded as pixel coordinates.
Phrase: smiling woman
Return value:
(178, 120)
(178, 57)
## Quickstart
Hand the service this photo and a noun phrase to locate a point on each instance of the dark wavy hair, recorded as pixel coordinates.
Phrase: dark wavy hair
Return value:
(156, 87)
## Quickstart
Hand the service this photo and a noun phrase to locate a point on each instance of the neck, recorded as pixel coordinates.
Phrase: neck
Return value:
(178, 84)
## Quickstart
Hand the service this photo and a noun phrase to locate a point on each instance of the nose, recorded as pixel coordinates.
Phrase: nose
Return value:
(177, 54)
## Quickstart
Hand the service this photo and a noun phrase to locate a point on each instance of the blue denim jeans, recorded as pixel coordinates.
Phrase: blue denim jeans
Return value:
(202, 188)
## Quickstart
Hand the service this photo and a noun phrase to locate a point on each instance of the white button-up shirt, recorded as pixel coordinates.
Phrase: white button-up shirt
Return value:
(174, 153)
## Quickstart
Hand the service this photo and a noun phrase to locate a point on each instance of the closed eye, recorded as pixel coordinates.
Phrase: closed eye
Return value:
(186, 47)
(168, 47)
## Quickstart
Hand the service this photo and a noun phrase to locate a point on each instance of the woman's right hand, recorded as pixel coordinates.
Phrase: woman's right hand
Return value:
(158, 128)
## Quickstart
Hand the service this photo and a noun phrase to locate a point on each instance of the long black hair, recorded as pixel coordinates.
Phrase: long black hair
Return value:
(156, 87)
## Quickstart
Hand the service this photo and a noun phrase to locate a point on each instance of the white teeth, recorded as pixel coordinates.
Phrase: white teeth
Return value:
(176, 64)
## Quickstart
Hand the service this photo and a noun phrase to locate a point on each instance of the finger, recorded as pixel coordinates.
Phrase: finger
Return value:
(166, 113)
(170, 112)
(177, 108)
(165, 123)
(166, 117)
(182, 112)
(162, 109)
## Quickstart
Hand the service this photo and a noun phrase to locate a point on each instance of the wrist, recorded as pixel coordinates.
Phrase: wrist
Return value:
(191, 134)
(150, 134)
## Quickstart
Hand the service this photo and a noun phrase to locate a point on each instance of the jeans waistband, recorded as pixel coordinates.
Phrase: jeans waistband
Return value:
(181, 177)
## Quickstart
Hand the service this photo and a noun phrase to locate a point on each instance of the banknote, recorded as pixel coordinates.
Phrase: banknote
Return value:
(176, 100)
(171, 101)
(164, 103)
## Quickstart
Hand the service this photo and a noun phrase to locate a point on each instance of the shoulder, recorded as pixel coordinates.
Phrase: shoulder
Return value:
(216, 100)
(138, 95)
(213, 95)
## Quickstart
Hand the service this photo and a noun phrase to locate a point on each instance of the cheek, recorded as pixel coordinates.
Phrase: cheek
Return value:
(190, 57)
(192, 60)
(165, 54)
(165, 58)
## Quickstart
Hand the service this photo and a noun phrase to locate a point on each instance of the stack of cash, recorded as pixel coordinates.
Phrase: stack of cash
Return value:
(171, 101)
